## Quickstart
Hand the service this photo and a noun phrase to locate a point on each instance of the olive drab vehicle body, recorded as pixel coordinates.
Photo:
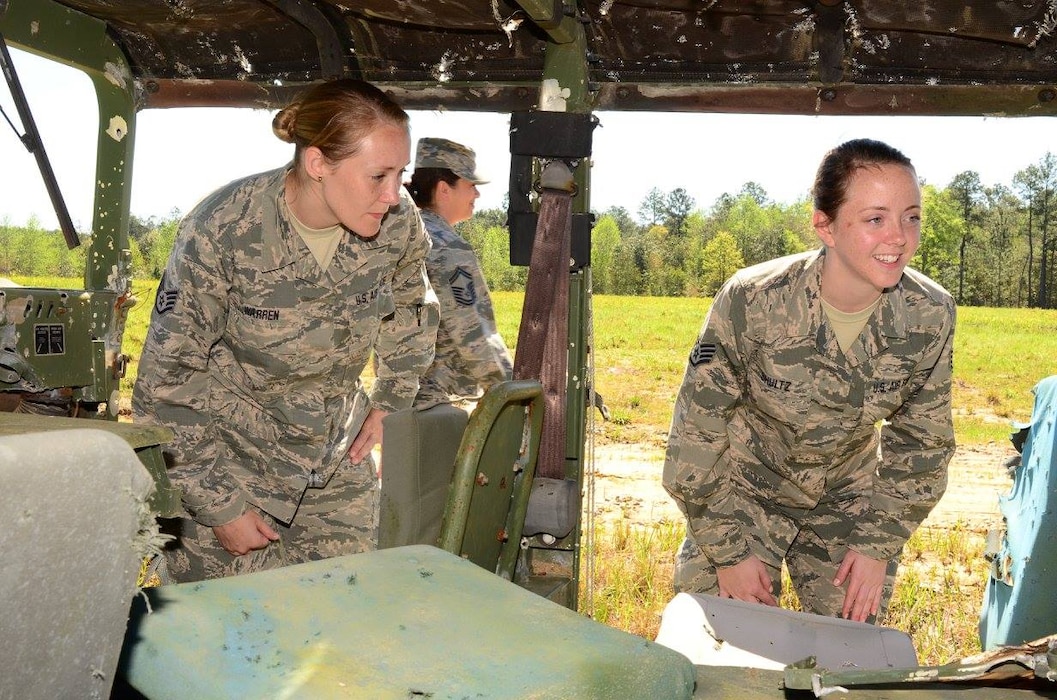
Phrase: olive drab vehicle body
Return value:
(552, 65)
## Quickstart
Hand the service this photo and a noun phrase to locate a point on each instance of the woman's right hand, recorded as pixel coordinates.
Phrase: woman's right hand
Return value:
(245, 534)
(747, 580)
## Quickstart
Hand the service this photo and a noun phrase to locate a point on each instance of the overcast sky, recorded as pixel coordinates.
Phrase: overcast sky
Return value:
(182, 155)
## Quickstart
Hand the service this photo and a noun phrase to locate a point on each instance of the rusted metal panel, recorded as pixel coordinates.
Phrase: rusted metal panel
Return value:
(770, 56)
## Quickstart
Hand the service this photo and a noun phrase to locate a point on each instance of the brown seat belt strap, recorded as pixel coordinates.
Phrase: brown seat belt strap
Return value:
(543, 338)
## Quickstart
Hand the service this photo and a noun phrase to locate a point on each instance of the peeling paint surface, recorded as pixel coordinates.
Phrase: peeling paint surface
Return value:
(117, 129)
(553, 97)
(117, 75)
(435, 52)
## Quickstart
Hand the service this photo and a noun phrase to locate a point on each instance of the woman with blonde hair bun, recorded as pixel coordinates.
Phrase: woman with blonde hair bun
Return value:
(279, 287)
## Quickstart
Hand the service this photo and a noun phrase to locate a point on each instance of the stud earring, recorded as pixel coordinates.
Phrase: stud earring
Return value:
(320, 178)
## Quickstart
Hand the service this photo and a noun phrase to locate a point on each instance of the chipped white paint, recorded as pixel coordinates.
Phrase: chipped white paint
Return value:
(1046, 26)
(851, 23)
(34, 27)
(553, 97)
(924, 674)
(508, 25)
(184, 69)
(242, 60)
(117, 129)
(116, 74)
(440, 71)
(114, 279)
(821, 691)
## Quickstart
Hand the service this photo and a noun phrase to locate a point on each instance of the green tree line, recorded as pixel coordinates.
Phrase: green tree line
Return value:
(989, 246)
(33, 251)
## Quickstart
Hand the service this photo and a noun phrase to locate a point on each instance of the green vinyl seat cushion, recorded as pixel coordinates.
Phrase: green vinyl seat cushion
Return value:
(412, 621)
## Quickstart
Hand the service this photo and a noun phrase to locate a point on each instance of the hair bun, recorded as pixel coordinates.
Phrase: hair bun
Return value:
(283, 123)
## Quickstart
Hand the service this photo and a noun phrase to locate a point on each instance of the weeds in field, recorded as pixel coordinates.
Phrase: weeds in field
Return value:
(633, 575)
(939, 592)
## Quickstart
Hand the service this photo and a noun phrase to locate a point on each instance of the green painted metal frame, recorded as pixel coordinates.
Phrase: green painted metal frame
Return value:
(47, 29)
(93, 318)
(485, 513)
(565, 60)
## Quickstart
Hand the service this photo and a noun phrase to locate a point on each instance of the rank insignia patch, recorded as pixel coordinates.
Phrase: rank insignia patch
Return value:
(702, 353)
(165, 301)
(462, 287)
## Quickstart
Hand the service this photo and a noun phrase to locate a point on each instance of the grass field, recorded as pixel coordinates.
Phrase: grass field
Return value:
(641, 345)
(640, 349)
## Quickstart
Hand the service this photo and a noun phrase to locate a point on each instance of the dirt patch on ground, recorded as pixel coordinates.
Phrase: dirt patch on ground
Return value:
(627, 486)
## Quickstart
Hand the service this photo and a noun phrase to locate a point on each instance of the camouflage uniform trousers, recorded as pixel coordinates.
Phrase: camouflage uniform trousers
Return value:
(807, 541)
(340, 518)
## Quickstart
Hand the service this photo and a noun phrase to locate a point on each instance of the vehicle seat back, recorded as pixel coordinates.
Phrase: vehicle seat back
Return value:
(76, 526)
(418, 458)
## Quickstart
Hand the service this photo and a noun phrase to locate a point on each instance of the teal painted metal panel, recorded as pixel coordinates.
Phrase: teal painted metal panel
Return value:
(1019, 602)
(396, 623)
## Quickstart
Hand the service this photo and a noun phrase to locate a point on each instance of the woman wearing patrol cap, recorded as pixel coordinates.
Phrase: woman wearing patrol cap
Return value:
(813, 427)
(279, 287)
(470, 355)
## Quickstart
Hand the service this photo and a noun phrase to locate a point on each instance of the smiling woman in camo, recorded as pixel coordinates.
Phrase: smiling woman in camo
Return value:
(278, 288)
(775, 454)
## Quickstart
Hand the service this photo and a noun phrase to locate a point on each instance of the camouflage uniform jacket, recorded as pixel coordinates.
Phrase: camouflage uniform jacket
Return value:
(471, 355)
(254, 353)
(771, 407)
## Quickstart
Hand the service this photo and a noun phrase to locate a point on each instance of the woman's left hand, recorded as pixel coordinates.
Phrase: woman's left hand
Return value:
(370, 435)
(865, 578)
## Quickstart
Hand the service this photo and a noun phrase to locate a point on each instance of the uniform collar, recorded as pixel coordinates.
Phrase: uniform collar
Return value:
(282, 246)
(434, 221)
(890, 323)
(279, 242)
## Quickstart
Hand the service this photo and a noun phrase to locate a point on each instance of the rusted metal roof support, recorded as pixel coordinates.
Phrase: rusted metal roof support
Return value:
(331, 51)
(829, 42)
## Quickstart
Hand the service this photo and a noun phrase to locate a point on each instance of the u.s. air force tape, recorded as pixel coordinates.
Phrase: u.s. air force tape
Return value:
(702, 353)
